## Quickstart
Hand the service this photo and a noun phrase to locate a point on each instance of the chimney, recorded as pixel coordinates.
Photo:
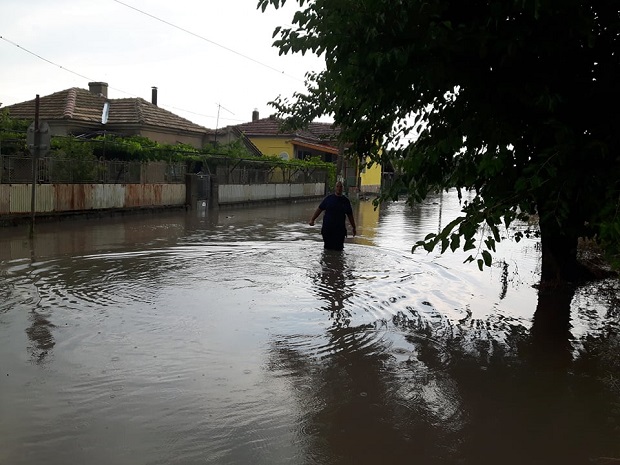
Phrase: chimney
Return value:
(154, 95)
(255, 115)
(98, 88)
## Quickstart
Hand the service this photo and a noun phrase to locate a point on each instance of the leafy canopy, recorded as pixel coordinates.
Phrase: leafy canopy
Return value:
(514, 100)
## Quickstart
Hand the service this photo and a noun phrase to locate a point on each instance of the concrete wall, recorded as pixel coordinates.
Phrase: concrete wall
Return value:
(244, 193)
(15, 199)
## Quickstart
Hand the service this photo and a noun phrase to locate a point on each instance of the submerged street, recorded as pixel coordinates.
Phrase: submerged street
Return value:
(232, 337)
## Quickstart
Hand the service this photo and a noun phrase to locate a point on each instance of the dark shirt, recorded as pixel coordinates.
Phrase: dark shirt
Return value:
(335, 207)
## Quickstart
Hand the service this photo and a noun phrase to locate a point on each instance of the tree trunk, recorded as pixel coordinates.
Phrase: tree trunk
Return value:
(559, 256)
(560, 271)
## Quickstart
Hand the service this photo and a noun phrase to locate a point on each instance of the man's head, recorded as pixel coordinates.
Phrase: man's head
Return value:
(339, 188)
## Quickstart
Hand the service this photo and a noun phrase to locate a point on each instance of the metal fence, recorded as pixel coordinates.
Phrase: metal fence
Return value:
(18, 169)
(53, 170)
(253, 172)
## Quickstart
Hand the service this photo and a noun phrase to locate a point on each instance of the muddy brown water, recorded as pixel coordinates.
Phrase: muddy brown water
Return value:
(231, 337)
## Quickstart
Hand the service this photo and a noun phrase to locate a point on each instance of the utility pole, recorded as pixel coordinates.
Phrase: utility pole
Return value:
(35, 160)
(38, 139)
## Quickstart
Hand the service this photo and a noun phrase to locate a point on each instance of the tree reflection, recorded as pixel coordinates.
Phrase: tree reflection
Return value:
(430, 390)
(550, 334)
(367, 405)
(360, 409)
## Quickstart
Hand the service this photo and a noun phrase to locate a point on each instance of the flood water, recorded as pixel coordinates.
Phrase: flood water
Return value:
(231, 337)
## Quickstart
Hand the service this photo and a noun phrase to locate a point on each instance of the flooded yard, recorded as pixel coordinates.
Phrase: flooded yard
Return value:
(231, 337)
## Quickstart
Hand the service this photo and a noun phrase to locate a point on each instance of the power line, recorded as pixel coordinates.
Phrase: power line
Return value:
(57, 65)
(203, 115)
(45, 59)
(206, 40)
(91, 79)
(171, 25)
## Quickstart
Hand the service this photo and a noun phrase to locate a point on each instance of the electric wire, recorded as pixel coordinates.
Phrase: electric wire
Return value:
(91, 80)
(206, 40)
(45, 59)
(228, 49)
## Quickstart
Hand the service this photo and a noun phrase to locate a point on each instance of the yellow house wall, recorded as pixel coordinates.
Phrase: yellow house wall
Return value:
(370, 179)
(271, 146)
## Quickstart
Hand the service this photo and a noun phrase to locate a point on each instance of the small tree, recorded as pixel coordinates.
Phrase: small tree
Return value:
(73, 160)
(12, 134)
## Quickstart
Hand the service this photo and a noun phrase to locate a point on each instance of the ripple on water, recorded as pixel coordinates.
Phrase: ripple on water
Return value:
(185, 330)
(363, 287)
(237, 350)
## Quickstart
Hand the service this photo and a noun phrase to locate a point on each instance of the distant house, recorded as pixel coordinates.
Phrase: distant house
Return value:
(265, 137)
(78, 112)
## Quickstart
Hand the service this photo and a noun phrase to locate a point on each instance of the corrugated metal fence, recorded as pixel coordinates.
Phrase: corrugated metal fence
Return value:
(15, 199)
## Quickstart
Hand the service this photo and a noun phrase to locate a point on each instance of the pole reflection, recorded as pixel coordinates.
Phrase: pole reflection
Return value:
(40, 335)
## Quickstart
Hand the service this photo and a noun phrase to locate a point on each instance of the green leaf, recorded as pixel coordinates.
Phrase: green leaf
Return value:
(469, 245)
(455, 242)
(490, 243)
(488, 259)
(429, 246)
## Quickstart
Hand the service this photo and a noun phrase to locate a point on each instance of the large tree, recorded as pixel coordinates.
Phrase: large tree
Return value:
(517, 101)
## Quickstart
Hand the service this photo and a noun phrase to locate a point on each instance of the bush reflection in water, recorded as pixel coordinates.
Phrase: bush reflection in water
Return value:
(233, 337)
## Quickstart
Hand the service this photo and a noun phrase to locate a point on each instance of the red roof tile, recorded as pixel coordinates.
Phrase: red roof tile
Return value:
(316, 134)
(81, 105)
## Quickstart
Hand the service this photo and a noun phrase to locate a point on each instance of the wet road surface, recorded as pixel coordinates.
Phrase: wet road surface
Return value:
(232, 337)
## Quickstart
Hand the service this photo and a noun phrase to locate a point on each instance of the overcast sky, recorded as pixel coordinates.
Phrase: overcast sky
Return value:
(204, 56)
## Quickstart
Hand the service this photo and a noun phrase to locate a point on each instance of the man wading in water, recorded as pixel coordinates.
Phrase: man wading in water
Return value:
(336, 207)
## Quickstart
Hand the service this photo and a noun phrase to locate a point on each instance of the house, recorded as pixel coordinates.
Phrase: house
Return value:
(78, 111)
(265, 137)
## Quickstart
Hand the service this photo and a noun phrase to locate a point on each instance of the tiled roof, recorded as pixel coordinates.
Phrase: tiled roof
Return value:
(324, 130)
(262, 127)
(317, 134)
(81, 105)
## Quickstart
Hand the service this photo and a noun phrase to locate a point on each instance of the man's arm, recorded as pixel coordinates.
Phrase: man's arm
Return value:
(352, 221)
(315, 216)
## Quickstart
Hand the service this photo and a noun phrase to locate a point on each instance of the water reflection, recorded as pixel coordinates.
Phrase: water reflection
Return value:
(233, 337)
(333, 285)
(40, 334)
(358, 410)
(551, 329)
(367, 220)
